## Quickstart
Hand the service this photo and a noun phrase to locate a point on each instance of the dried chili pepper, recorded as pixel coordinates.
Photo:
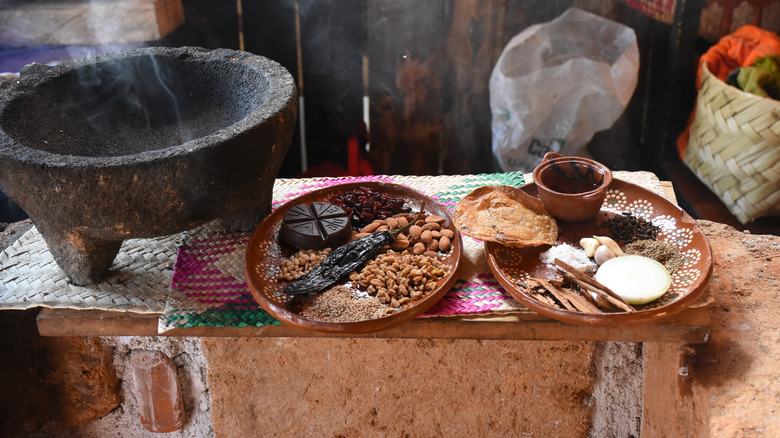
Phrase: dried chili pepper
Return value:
(345, 259)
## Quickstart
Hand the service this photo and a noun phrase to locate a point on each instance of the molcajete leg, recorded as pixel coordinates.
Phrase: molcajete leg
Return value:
(85, 259)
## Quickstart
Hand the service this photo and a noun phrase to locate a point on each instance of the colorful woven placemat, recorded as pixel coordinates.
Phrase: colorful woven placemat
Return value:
(209, 290)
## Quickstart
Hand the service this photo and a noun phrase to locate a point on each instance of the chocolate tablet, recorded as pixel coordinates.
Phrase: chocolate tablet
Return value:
(316, 226)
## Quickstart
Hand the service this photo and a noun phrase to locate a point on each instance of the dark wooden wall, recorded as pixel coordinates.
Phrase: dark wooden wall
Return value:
(425, 65)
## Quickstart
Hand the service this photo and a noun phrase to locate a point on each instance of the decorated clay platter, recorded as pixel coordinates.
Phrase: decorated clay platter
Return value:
(513, 265)
(265, 253)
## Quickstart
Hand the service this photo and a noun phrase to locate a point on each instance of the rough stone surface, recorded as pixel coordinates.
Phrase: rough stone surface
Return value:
(670, 407)
(378, 387)
(617, 394)
(737, 372)
(142, 143)
(10, 233)
(124, 421)
(50, 384)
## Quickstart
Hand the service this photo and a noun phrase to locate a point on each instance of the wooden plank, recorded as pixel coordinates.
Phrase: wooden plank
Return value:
(522, 13)
(333, 39)
(689, 326)
(620, 146)
(405, 55)
(332, 43)
(32, 23)
(170, 15)
(474, 41)
(69, 322)
(269, 30)
(666, 186)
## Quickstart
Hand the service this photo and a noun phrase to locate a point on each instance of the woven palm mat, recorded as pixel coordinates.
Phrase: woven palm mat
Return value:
(139, 279)
(208, 283)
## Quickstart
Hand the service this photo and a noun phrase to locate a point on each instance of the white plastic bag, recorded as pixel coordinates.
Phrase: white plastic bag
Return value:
(558, 83)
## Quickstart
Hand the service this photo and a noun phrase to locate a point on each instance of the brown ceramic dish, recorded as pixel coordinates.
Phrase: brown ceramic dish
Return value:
(265, 253)
(510, 265)
(572, 189)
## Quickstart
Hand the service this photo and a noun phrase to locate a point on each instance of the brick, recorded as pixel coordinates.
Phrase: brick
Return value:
(157, 391)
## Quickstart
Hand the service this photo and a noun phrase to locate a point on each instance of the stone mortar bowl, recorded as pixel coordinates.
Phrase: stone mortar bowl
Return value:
(142, 143)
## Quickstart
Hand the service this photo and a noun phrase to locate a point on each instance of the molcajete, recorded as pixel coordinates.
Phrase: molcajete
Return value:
(142, 143)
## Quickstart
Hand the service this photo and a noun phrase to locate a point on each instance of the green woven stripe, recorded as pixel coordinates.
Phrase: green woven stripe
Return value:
(222, 318)
(456, 192)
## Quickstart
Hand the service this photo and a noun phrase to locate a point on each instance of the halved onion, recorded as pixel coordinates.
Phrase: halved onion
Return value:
(638, 279)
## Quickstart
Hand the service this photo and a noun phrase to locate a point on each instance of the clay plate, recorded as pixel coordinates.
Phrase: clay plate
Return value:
(510, 265)
(265, 253)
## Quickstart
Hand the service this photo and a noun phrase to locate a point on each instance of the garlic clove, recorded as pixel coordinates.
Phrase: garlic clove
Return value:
(589, 244)
(602, 254)
(609, 243)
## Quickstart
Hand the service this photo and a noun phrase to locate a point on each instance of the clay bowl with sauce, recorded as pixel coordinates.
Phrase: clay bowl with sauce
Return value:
(572, 189)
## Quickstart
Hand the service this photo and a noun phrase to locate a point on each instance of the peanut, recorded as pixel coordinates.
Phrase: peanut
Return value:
(399, 278)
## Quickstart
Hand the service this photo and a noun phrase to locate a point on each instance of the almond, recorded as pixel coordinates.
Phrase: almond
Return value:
(414, 232)
(444, 243)
(400, 244)
(370, 228)
(392, 223)
(418, 248)
(426, 236)
(431, 226)
(434, 218)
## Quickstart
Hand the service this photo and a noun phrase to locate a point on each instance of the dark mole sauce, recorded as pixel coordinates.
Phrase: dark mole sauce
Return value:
(563, 184)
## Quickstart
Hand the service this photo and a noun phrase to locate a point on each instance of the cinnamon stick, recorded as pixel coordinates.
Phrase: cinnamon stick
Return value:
(572, 296)
(592, 281)
(615, 302)
(559, 296)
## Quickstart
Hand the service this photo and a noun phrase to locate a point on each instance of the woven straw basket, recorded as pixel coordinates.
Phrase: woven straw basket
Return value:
(734, 148)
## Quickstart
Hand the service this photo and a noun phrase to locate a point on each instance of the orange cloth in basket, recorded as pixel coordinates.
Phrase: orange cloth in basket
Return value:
(738, 49)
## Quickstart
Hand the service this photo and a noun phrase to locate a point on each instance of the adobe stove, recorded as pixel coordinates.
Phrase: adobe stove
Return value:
(142, 143)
